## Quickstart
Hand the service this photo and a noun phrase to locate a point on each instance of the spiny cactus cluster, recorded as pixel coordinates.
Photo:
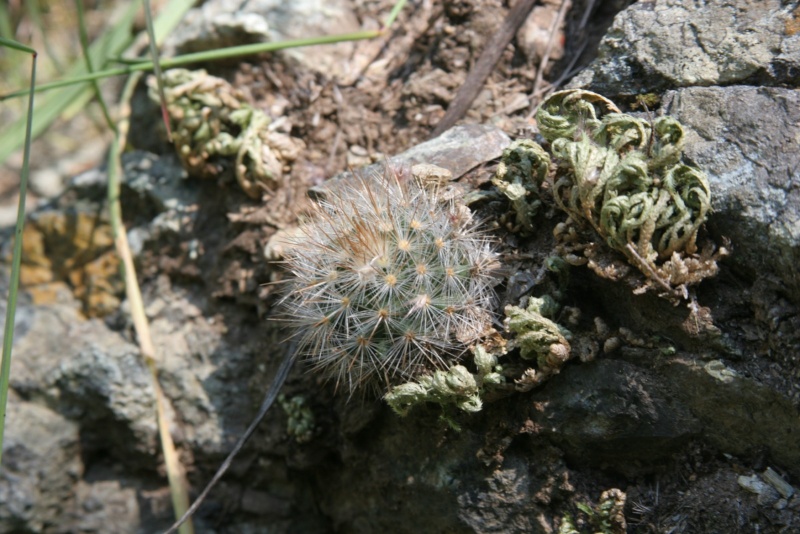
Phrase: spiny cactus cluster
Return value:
(390, 282)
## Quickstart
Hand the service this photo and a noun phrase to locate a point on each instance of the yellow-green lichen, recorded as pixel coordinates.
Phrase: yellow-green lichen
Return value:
(301, 421)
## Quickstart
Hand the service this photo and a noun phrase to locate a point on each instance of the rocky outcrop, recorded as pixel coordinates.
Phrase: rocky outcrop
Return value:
(684, 400)
(667, 44)
(746, 138)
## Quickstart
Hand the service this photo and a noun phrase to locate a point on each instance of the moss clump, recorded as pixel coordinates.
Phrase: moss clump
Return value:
(456, 387)
(301, 421)
(538, 337)
(607, 517)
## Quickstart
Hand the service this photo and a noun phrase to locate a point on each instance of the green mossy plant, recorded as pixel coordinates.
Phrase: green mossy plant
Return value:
(521, 161)
(538, 337)
(607, 517)
(301, 422)
(620, 177)
(457, 387)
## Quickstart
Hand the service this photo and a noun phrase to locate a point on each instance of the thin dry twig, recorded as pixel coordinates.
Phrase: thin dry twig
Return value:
(175, 470)
(646, 265)
(586, 14)
(483, 67)
(543, 88)
(549, 48)
(266, 404)
(547, 88)
(570, 71)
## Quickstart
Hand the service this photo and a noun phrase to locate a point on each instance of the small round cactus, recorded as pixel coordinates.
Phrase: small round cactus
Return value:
(390, 281)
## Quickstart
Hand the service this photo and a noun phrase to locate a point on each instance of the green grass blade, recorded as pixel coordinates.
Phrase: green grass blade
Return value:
(84, 39)
(169, 17)
(34, 11)
(6, 29)
(151, 38)
(398, 7)
(22, 48)
(111, 44)
(260, 48)
(107, 48)
(16, 261)
(135, 65)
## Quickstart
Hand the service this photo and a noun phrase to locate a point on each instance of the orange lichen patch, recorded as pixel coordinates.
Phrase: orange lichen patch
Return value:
(75, 248)
(34, 275)
(48, 293)
(792, 26)
(97, 284)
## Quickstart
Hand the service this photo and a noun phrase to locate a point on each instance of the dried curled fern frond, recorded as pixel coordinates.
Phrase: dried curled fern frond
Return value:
(215, 128)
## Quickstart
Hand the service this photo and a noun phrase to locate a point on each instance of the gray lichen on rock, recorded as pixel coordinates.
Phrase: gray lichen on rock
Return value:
(680, 43)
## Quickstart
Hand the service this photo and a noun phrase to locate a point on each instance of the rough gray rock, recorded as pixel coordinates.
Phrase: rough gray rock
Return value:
(86, 459)
(97, 377)
(204, 368)
(458, 150)
(613, 412)
(41, 465)
(86, 376)
(746, 139)
(645, 408)
(629, 413)
(723, 402)
(665, 44)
